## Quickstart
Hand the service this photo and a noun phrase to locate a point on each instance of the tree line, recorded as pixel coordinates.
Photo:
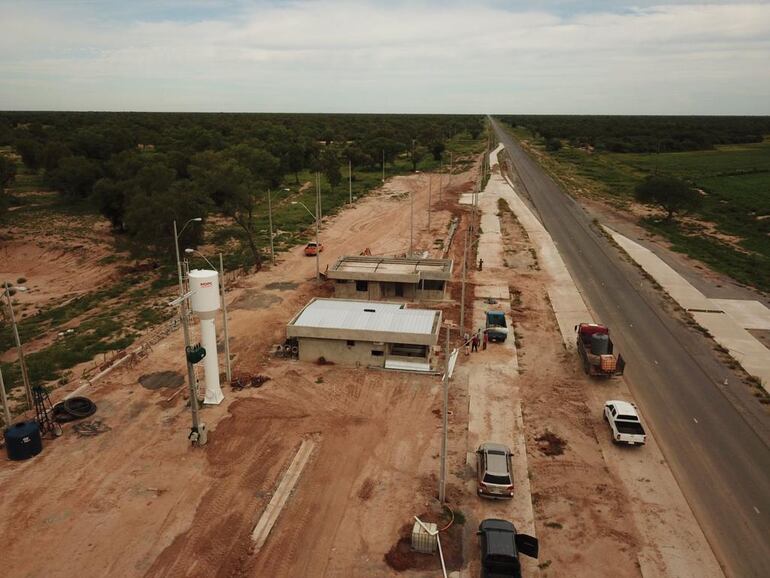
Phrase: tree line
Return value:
(143, 170)
(644, 134)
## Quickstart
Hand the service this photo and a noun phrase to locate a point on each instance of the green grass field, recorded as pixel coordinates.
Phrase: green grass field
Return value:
(735, 181)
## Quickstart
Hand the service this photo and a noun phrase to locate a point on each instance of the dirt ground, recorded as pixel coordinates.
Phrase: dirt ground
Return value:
(138, 500)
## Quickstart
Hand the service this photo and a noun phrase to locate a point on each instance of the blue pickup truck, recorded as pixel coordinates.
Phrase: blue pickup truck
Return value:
(497, 328)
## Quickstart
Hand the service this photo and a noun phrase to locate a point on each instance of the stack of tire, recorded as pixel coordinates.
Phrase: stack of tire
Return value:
(73, 408)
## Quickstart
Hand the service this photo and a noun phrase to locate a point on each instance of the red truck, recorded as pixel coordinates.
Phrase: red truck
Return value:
(597, 351)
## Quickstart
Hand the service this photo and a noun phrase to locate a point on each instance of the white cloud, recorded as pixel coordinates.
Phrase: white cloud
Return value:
(344, 56)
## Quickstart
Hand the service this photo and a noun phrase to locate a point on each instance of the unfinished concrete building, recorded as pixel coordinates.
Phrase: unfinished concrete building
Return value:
(366, 333)
(393, 278)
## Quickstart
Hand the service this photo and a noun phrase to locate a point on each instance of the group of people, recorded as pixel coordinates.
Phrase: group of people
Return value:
(472, 342)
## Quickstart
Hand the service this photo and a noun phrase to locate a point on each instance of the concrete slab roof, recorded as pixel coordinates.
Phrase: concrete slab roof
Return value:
(365, 321)
(399, 269)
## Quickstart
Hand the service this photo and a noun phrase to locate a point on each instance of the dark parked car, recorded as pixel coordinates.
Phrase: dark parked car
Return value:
(497, 328)
(500, 548)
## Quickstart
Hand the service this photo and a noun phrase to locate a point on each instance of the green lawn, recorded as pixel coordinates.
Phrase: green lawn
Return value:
(735, 181)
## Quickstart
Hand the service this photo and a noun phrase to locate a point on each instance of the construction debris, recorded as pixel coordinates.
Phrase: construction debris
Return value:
(244, 380)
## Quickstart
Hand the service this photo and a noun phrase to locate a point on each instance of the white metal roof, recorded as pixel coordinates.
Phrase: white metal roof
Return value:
(352, 317)
(367, 316)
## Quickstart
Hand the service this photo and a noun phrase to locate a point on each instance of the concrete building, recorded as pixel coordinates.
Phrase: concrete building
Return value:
(394, 278)
(366, 333)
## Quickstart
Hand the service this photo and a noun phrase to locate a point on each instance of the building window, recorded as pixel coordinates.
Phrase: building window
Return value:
(409, 350)
(342, 281)
(432, 285)
(351, 343)
(376, 353)
(362, 285)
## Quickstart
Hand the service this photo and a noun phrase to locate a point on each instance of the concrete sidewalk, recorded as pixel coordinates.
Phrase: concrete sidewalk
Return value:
(725, 319)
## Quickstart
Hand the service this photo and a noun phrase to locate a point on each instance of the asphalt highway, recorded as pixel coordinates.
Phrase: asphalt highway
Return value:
(719, 456)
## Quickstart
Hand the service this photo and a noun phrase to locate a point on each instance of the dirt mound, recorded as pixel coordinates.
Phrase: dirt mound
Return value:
(550, 444)
(161, 379)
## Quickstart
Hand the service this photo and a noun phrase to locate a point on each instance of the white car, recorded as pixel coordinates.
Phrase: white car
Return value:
(624, 422)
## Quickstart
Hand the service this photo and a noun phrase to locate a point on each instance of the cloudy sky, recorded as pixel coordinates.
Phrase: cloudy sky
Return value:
(563, 56)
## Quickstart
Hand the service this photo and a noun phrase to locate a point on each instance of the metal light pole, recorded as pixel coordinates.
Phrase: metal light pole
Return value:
(350, 181)
(4, 400)
(270, 220)
(228, 371)
(196, 428)
(465, 270)
(430, 191)
(19, 348)
(411, 222)
(317, 244)
(445, 384)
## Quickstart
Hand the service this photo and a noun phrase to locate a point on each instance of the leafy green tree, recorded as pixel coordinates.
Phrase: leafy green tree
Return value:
(51, 153)
(30, 153)
(150, 214)
(295, 160)
(416, 155)
(437, 149)
(7, 171)
(671, 194)
(75, 177)
(330, 164)
(553, 144)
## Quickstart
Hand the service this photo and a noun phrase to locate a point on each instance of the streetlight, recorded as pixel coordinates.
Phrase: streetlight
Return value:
(228, 372)
(22, 362)
(197, 431)
(317, 244)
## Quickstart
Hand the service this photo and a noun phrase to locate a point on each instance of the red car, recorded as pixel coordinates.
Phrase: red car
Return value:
(312, 249)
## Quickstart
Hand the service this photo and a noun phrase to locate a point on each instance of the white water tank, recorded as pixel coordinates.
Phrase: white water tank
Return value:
(205, 301)
(205, 287)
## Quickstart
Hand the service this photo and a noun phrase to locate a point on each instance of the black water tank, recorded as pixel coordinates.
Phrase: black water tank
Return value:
(23, 440)
(600, 343)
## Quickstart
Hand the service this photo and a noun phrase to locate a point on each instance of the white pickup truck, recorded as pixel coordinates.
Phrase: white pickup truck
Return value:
(624, 422)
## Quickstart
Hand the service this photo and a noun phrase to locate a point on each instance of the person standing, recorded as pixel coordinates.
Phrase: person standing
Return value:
(486, 340)
(467, 343)
(475, 342)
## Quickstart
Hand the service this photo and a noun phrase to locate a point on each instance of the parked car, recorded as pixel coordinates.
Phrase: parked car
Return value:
(493, 468)
(624, 422)
(500, 546)
(312, 249)
(497, 328)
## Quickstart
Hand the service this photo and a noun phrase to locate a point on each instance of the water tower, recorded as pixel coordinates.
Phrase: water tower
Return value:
(204, 285)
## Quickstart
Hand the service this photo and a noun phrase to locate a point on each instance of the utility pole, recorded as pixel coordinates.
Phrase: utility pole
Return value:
(317, 226)
(350, 181)
(441, 182)
(4, 399)
(228, 370)
(442, 476)
(383, 165)
(430, 190)
(411, 222)
(19, 348)
(462, 290)
(197, 431)
(270, 220)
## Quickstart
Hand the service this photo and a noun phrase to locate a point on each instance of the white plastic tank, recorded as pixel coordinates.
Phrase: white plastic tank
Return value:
(205, 301)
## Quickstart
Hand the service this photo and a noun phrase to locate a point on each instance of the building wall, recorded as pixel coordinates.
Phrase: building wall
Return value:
(338, 351)
(377, 291)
